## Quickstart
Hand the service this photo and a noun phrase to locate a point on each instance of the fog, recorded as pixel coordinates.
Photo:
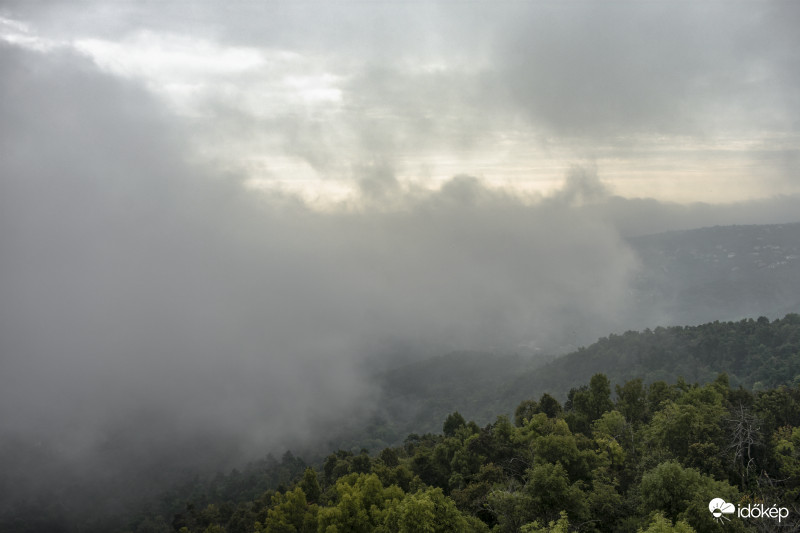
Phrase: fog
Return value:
(155, 306)
(133, 281)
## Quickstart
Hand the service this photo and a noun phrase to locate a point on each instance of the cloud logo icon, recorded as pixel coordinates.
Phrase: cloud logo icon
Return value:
(720, 507)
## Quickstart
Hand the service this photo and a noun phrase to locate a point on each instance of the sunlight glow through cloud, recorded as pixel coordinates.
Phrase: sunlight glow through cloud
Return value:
(280, 115)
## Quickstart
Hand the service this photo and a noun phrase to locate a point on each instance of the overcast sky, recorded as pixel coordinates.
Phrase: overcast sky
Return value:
(217, 211)
(687, 101)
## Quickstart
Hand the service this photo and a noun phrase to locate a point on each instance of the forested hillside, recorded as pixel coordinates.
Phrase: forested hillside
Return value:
(638, 458)
(755, 354)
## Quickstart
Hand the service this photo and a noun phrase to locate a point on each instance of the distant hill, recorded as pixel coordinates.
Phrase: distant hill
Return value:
(717, 273)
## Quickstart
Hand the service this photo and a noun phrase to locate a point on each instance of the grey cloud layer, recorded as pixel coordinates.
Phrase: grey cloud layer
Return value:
(445, 75)
(131, 280)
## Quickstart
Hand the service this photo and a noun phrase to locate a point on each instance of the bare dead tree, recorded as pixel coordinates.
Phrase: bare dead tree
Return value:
(745, 435)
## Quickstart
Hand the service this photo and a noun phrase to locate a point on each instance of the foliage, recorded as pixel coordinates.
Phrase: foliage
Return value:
(660, 524)
(649, 460)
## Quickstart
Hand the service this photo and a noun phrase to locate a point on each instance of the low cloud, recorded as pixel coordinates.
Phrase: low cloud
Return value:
(133, 281)
(141, 295)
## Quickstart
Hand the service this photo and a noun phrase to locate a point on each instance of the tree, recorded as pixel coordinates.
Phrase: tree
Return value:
(431, 467)
(474, 497)
(560, 526)
(336, 465)
(525, 411)
(550, 492)
(361, 464)
(549, 406)
(632, 401)
(389, 457)
(360, 504)
(561, 446)
(310, 485)
(608, 431)
(661, 524)
(787, 455)
(744, 436)
(428, 511)
(683, 494)
(690, 429)
(452, 423)
(599, 396)
(512, 508)
(290, 513)
(658, 393)
(778, 407)
(589, 403)
(577, 407)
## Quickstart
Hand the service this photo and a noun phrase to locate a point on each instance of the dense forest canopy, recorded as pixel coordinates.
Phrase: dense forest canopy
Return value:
(643, 458)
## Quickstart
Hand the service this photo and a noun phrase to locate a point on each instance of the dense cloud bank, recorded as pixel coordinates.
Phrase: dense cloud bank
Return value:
(131, 280)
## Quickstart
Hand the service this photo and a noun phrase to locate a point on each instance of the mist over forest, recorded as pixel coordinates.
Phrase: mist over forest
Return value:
(217, 228)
